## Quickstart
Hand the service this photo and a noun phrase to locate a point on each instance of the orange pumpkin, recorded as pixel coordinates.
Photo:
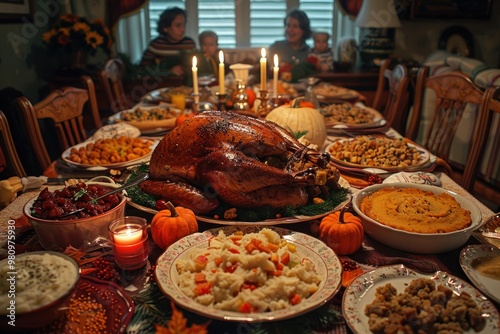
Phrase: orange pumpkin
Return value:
(250, 94)
(302, 104)
(342, 231)
(182, 118)
(172, 224)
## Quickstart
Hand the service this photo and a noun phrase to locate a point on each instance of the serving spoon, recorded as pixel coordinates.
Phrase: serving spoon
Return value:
(139, 179)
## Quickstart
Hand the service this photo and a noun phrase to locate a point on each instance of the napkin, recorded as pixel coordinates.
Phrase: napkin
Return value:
(376, 254)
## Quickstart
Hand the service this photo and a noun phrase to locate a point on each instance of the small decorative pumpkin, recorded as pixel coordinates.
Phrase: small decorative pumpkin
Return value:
(298, 118)
(342, 231)
(183, 117)
(172, 224)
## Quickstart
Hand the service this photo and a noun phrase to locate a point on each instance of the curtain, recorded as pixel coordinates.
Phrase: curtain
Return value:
(118, 8)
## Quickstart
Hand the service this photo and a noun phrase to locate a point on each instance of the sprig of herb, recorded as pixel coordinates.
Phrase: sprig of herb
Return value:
(79, 194)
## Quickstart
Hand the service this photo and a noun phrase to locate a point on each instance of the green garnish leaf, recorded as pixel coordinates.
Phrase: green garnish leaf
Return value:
(79, 194)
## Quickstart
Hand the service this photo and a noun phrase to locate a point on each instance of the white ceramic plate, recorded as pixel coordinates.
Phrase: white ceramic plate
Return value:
(148, 127)
(328, 92)
(468, 255)
(157, 95)
(278, 221)
(361, 292)
(327, 265)
(491, 224)
(378, 120)
(424, 159)
(419, 243)
(65, 156)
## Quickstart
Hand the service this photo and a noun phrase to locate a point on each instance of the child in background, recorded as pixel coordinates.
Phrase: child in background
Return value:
(208, 61)
(209, 45)
(168, 51)
(321, 53)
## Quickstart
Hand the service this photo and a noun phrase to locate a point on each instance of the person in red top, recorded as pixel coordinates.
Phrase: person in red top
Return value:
(169, 51)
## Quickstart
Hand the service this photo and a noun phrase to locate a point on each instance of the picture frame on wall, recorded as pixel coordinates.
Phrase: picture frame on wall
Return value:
(451, 9)
(14, 10)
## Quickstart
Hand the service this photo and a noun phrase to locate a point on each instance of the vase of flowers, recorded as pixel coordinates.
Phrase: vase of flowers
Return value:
(77, 36)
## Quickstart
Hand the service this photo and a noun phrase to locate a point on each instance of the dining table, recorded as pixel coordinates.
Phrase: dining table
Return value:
(152, 307)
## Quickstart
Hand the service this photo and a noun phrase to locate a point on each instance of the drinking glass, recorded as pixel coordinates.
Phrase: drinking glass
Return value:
(129, 238)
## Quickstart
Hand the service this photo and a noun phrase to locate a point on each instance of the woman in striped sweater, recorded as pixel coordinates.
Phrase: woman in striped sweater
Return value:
(169, 51)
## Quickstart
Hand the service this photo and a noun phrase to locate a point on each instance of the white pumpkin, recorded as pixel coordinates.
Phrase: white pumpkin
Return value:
(295, 118)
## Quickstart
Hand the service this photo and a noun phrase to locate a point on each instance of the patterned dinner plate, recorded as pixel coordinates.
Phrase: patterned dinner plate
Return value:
(425, 156)
(366, 118)
(103, 166)
(469, 259)
(361, 292)
(326, 263)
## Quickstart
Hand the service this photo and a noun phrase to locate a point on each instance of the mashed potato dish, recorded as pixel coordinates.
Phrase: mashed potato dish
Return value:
(35, 280)
(254, 272)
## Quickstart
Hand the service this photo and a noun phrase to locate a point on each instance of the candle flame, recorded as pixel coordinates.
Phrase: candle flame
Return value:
(276, 63)
(221, 56)
(195, 61)
(263, 52)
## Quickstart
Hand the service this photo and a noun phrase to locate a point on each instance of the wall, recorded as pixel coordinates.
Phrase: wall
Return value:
(24, 62)
(416, 39)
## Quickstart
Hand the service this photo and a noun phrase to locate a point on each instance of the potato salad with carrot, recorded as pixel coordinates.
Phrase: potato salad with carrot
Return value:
(254, 272)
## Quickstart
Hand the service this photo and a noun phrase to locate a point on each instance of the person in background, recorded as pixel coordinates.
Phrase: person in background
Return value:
(293, 51)
(168, 52)
(208, 58)
(294, 48)
(321, 55)
(209, 45)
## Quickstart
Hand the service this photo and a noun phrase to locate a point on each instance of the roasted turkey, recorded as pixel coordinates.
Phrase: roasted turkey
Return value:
(244, 161)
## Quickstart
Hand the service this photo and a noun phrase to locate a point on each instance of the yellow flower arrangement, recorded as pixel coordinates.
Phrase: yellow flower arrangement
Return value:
(74, 33)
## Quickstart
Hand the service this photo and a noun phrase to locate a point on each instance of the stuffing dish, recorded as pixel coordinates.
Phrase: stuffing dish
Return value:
(423, 307)
(347, 113)
(382, 152)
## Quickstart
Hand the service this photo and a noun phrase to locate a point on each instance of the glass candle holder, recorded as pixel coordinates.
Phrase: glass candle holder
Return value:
(129, 238)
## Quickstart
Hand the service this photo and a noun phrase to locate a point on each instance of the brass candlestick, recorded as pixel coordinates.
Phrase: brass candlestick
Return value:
(240, 100)
(221, 101)
(196, 103)
(264, 107)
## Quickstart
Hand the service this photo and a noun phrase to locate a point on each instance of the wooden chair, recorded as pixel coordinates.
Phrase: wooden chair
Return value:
(91, 114)
(483, 178)
(393, 102)
(65, 108)
(454, 94)
(112, 80)
(14, 164)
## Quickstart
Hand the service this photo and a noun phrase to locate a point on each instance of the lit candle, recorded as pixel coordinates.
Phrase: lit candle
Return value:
(263, 70)
(276, 70)
(221, 73)
(195, 75)
(128, 241)
(129, 237)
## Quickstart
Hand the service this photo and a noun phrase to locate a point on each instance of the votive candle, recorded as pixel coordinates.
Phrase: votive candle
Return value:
(263, 69)
(195, 75)
(222, 88)
(128, 236)
(276, 70)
